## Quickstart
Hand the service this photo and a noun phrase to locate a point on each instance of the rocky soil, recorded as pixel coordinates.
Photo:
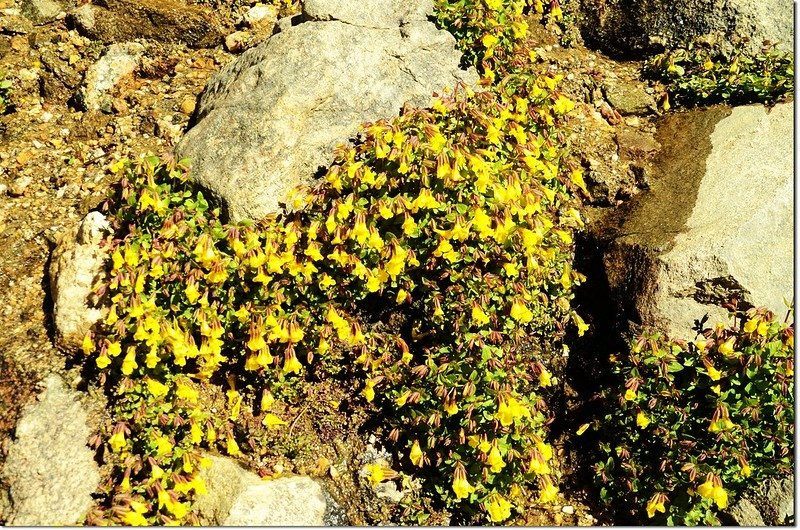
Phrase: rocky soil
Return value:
(69, 124)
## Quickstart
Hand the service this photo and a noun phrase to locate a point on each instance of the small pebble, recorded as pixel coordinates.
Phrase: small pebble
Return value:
(188, 105)
(20, 186)
(569, 510)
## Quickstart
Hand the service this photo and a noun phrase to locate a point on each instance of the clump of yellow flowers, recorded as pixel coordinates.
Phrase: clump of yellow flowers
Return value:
(694, 423)
(456, 221)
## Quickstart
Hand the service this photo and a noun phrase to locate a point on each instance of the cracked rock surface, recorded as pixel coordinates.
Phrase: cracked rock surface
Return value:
(717, 222)
(271, 119)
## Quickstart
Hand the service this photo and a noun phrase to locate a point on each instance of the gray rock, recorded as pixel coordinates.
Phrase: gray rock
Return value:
(76, 266)
(271, 119)
(779, 496)
(41, 11)
(50, 471)
(159, 20)
(15, 24)
(633, 27)
(237, 497)
(629, 98)
(717, 222)
(770, 504)
(744, 513)
(382, 14)
(119, 61)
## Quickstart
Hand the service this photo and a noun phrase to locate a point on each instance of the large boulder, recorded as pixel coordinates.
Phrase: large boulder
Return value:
(271, 119)
(77, 264)
(717, 222)
(237, 497)
(50, 472)
(633, 27)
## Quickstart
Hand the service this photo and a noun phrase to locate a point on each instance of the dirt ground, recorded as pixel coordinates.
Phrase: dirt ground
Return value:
(54, 161)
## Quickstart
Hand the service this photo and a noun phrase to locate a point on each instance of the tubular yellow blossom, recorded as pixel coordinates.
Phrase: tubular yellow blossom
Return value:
(538, 464)
(520, 312)
(495, 459)
(117, 441)
(102, 361)
(479, 317)
(156, 388)
(642, 421)
(726, 348)
(232, 447)
(549, 492)
(450, 407)
(369, 391)
(656, 504)
(630, 394)
(416, 454)
(461, 486)
(129, 362)
(376, 473)
(271, 421)
(499, 508)
(163, 446)
(545, 378)
(292, 365)
(712, 489)
(131, 518)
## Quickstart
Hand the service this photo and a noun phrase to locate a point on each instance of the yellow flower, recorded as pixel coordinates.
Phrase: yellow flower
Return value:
(163, 446)
(102, 361)
(642, 421)
(722, 424)
(271, 421)
(191, 292)
(369, 391)
(401, 400)
(117, 441)
(630, 394)
(545, 378)
(129, 362)
(479, 317)
(545, 449)
(233, 447)
(726, 348)
(751, 325)
(656, 504)
(499, 509)
(713, 373)
(187, 393)
(114, 349)
(548, 493)
(520, 312)
(292, 365)
(461, 486)
(489, 41)
(538, 464)
(132, 518)
(416, 454)
(746, 471)
(712, 489)
(376, 473)
(495, 5)
(495, 459)
(763, 327)
(87, 346)
(582, 326)
(156, 388)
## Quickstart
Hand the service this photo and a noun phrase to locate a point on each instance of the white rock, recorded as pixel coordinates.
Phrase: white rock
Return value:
(237, 497)
(261, 14)
(120, 60)
(50, 471)
(76, 266)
